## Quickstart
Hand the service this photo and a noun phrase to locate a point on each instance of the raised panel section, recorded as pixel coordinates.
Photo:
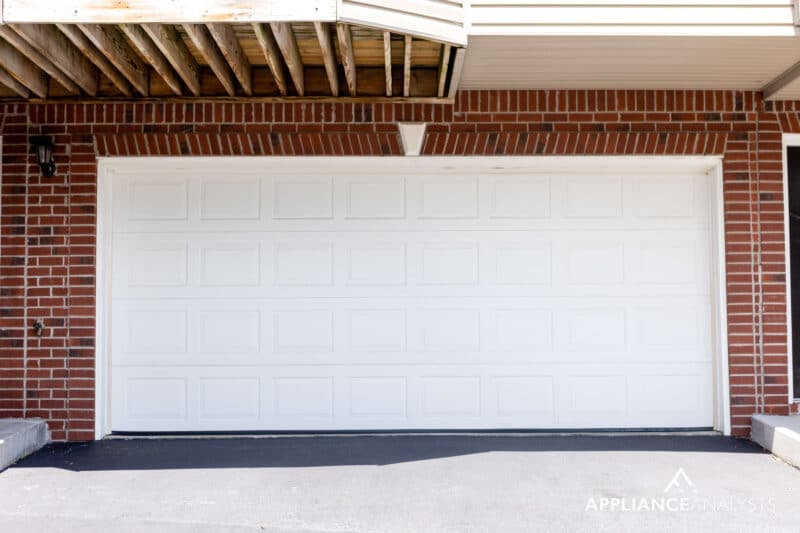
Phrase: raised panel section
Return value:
(450, 396)
(230, 264)
(303, 198)
(303, 397)
(229, 399)
(377, 396)
(523, 329)
(303, 331)
(599, 197)
(445, 197)
(664, 197)
(158, 199)
(667, 393)
(376, 199)
(667, 264)
(152, 331)
(591, 264)
(524, 395)
(228, 332)
(597, 329)
(449, 264)
(450, 329)
(377, 264)
(520, 197)
(231, 200)
(157, 263)
(667, 327)
(303, 264)
(155, 399)
(521, 264)
(598, 394)
(377, 330)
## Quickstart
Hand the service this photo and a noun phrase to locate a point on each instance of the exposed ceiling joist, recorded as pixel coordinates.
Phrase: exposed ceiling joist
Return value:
(443, 69)
(166, 38)
(111, 43)
(76, 36)
(53, 44)
(328, 55)
(407, 66)
(150, 51)
(8, 81)
(387, 61)
(202, 39)
(284, 37)
(455, 76)
(232, 51)
(23, 70)
(348, 57)
(269, 47)
(40, 60)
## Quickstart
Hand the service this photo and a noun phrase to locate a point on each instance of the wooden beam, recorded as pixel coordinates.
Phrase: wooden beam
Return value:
(771, 89)
(455, 77)
(8, 80)
(29, 51)
(201, 38)
(328, 55)
(231, 49)
(348, 59)
(407, 67)
(95, 56)
(284, 37)
(444, 66)
(151, 53)
(166, 38)
(51, 43)
(110, 42)
(22, 69)
(267, 42)
(387, 60)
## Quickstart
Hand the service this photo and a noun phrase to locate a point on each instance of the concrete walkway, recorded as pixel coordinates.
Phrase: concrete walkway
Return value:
(403, 484)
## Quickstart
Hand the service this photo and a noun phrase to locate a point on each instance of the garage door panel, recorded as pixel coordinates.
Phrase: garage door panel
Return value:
(356, 298)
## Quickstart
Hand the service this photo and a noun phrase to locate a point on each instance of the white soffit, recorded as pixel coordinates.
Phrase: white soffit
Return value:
(628, 62)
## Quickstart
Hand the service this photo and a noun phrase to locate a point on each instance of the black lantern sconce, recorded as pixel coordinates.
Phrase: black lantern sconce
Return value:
(42, 146)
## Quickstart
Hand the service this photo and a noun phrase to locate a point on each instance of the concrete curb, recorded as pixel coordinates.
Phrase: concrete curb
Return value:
(20, 437)
(778, 434)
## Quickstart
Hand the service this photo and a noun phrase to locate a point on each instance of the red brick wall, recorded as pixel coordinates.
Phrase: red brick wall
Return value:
(47, 266)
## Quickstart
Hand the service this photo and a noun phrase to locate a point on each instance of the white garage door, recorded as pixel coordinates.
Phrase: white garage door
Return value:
(363, 293)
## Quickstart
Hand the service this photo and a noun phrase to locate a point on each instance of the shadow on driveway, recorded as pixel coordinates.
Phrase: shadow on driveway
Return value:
(337, 450)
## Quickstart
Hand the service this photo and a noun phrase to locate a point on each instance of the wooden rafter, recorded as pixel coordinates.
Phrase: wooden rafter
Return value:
(22, 69)
(51, 43)
(150, 51)
(8, 80)
(110, 42)
(232, 51)
(284, 37)
(166, 38)
(348, 57)
(323, 31)
(455, 77)
(270, 48)
(444, 66)
(38, 59)
(95, 56)
(387, 61)
(201, 38)
(407, 66)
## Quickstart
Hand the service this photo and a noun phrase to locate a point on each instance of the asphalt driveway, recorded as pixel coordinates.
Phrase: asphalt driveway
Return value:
(454, 483)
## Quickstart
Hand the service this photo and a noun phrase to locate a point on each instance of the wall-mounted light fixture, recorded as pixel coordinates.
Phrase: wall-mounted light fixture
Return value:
(42, 146)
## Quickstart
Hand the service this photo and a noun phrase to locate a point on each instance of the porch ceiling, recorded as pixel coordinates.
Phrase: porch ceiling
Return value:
(276, 59)
(632, 62)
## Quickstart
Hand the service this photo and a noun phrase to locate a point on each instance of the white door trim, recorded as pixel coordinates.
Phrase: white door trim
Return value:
(553, 164)
(789, 139)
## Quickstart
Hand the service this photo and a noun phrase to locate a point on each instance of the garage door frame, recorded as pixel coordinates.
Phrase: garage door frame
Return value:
(712, 166)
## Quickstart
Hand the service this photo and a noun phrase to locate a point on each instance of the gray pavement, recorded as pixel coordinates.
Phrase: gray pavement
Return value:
(406, 483)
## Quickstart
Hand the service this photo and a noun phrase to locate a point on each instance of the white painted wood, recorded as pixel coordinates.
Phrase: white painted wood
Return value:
(348, 293)
(412, 134)
(174, 11)
(628, 62)
(439, 20)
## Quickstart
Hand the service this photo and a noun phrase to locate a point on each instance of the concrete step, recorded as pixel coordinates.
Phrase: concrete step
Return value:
(20, 437)
(778, 434)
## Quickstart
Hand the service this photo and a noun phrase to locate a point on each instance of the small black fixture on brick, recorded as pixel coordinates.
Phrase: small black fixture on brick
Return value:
(42, 146)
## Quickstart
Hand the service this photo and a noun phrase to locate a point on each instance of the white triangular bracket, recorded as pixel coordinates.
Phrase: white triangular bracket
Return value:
(411, 135)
